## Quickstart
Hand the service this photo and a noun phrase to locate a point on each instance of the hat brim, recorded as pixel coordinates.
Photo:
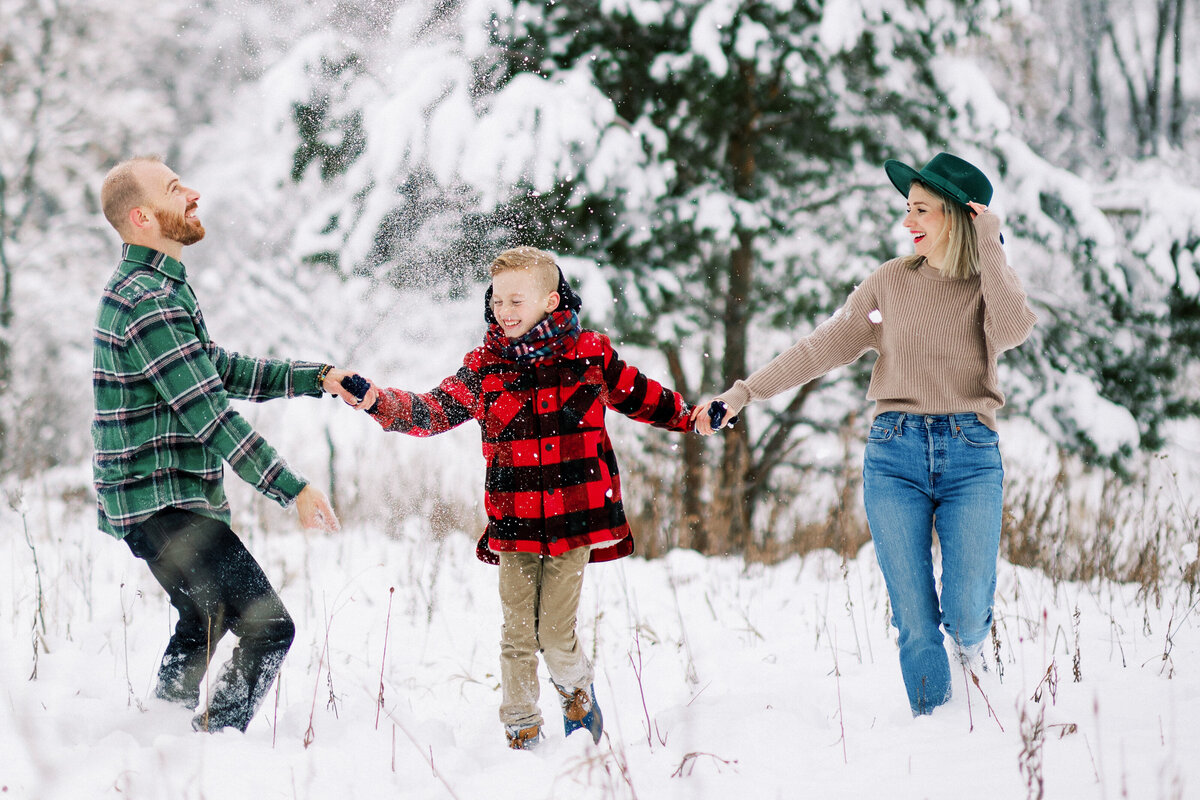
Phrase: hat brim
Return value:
(902, 176)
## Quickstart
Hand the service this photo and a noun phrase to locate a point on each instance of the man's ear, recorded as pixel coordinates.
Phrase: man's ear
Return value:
(139, 218)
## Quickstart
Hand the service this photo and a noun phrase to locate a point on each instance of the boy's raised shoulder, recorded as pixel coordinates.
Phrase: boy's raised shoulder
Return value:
(593, 342)
(476, 358)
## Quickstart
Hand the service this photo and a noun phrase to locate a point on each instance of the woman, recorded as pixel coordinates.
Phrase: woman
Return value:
(938, 320)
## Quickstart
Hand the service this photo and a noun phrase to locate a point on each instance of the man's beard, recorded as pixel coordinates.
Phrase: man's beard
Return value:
(177, 228)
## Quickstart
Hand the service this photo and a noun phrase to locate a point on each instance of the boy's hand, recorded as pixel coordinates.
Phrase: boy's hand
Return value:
(334, 383)
(710, 417)
(360, 387)
(315, 511)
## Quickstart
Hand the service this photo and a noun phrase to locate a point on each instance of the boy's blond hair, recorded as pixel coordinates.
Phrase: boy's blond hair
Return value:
(538, 263)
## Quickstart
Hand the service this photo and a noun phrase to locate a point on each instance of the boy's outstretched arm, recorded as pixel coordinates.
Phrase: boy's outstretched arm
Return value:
(453, 402)
(641, 398)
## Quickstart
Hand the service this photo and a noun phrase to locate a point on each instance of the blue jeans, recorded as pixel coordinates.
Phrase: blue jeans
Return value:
(922, 472)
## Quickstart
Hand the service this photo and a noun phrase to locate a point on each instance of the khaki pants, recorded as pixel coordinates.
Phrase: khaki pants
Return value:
(539, 596)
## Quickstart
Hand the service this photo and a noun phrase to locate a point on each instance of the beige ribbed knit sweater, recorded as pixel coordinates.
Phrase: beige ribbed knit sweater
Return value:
(937, 338)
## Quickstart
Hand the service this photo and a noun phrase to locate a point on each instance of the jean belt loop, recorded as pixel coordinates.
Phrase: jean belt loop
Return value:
(900, 423)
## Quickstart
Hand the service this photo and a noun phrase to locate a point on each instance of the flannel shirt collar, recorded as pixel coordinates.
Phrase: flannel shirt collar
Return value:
(146, 257)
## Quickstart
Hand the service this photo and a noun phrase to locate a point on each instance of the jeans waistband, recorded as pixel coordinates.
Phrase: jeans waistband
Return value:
(900, 419)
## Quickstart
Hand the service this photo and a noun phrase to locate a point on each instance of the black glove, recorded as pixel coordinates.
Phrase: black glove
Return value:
(716, 412)
(358, 386)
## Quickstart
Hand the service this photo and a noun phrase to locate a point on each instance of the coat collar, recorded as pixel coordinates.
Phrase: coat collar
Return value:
(140, 255)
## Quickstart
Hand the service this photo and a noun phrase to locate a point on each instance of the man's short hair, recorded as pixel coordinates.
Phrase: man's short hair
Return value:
(122, 191)
(538, 262)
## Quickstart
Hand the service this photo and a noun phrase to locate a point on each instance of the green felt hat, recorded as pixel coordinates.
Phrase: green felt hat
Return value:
(958, 179)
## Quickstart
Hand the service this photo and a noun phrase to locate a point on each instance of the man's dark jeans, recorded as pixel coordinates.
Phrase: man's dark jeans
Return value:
(217, 587)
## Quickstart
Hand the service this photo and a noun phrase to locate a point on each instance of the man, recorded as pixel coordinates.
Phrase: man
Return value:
(162, 427)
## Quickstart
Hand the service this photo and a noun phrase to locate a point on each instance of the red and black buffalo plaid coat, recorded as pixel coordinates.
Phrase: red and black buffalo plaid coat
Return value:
(552, 483)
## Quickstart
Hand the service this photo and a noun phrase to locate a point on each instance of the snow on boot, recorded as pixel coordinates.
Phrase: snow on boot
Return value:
(973, 658)
(179, 676)
(523, 738)
(239, 690)
(580, 711)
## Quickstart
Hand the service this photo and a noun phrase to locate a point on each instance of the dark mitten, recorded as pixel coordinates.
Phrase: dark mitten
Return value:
(358, 386)
(716, 413)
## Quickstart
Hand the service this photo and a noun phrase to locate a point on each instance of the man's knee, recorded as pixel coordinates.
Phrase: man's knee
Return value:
(277, 632)
(268, 622)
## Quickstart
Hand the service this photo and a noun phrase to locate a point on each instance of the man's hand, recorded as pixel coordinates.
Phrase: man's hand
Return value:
(333, 385)
(315, 511)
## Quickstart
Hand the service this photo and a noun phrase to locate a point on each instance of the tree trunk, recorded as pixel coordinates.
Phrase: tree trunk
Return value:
(1175, 126)
(6, 313)
(6, 309)
(1137, 110)
(695, 529)
(1154, 80)
(736, 460)
(1093, 20)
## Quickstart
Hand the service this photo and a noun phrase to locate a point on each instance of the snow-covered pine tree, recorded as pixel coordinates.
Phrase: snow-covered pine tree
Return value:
(1099, 180)
(79, 89)
(764, 126)
(704, 153)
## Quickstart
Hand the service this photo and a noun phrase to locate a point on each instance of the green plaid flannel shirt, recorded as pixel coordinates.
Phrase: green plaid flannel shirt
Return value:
(163, 423)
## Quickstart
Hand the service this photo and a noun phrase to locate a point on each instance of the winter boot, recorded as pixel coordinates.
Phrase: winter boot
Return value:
(580, 711)
(523, 738)
(179, 675)
(973, 658)
(242, 685)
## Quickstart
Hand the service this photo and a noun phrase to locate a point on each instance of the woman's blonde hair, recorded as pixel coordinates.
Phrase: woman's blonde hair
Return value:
(962, 249)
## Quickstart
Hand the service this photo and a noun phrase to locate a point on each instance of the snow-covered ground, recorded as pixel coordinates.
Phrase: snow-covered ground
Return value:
(717, 679)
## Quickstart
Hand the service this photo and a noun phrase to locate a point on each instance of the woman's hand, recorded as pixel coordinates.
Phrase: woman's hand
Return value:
(977, 210)
(700, 421)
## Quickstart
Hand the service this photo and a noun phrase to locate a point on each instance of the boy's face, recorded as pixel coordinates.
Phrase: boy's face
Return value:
(519, 302)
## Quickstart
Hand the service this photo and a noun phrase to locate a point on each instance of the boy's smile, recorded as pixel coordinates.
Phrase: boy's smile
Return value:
(518, 303)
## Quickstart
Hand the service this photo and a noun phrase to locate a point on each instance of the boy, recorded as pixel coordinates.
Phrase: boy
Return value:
(538, 388)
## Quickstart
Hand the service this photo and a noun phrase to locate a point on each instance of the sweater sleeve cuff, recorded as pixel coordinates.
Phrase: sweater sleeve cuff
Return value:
(735, 398)
(987, 225)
